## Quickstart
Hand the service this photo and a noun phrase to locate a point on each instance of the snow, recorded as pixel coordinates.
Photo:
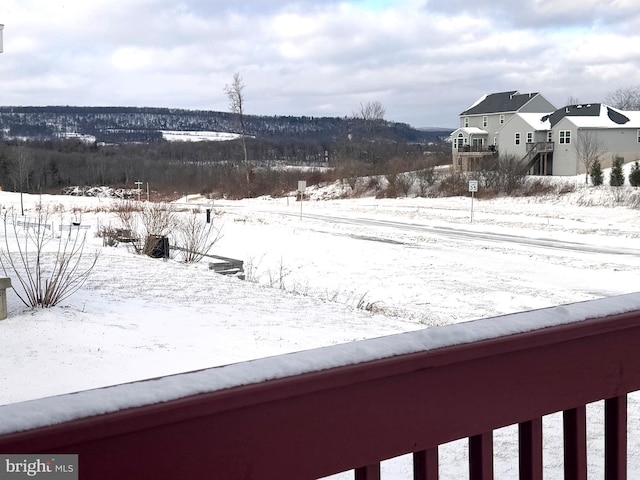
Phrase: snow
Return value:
(344, 270)
(197, 136)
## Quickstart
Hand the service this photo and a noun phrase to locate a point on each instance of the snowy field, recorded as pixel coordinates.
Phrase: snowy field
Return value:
(321, 273)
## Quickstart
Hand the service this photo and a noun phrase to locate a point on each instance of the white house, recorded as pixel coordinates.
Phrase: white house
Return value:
(544, 138)
(617, 132)
(496, 123)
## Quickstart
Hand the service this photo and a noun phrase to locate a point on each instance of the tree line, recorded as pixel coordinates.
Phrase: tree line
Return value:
(215, 168)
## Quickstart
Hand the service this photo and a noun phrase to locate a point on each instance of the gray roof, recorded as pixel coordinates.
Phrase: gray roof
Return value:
(500, 102)
(587, 110)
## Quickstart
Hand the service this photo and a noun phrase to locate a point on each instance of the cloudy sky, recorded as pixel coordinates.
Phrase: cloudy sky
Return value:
(424, 60)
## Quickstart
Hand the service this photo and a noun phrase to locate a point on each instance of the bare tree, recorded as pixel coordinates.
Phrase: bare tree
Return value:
(624, 98)
(571, 100)
(589, 148)
(372, 113)
(235, 94)
(21, 168)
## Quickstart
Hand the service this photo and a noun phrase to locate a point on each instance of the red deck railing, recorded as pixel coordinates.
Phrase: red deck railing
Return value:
(314, 424)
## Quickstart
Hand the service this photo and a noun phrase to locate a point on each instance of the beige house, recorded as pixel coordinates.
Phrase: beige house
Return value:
(544, 138)
(497, 122)
(614, 132)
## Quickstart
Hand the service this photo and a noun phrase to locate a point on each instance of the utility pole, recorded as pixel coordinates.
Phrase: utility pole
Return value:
(1, 28)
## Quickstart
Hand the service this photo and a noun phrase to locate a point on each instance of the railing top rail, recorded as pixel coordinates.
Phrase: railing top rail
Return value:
(428, 347)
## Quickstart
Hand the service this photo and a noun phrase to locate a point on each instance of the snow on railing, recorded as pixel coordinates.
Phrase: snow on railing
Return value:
(323, 411)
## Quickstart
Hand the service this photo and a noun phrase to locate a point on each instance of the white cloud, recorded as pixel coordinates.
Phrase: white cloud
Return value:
(425, 60)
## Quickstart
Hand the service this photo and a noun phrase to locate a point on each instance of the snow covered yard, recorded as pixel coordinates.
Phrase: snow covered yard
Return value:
(345, 270)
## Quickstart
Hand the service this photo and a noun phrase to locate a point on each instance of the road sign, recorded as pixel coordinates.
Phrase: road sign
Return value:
(473, 185)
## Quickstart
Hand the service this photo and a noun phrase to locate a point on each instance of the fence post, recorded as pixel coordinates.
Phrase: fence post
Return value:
(4, 284)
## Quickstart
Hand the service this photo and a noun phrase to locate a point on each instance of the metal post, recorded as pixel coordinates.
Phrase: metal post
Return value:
(472, 207)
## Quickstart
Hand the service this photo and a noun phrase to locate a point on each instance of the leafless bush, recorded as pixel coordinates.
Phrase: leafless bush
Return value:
(453, 185)
(634, 199)
(567, 188)
(426, 179)
(146, 219)
(46, 274)
(506, 174)
(537, 187)
(620, 194)
(128, 213)
(404, 182)
(195, 238)
(158, 218)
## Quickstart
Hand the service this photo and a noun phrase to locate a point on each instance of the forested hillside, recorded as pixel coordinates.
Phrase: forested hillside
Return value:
(46, 149)
(136, 124)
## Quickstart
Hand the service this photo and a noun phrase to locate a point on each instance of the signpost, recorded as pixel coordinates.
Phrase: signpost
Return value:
(302, 186)
(473, 188)
(138, 186)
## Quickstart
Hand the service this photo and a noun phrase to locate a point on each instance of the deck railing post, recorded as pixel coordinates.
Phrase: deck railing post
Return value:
(615, 438)
(370, 472)
(425, 464)
(530, 449)
(481, 457)
(575, 443)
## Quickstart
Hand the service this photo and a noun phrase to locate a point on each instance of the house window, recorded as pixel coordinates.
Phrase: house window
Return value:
(549, 136)
(565, 136)
(638, 136)
(517, 138)
(466, 122)
(529, 137)
(501, 119)
(485, 121)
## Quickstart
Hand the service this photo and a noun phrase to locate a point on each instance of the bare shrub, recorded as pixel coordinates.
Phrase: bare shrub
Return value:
(453, 185)
(537, 187)
(505, 174)
(620, 194)
(404, 183)
(567, 188)
(426, 179)
(47, 274)
(158, 218)
(634, 199)
(373, 183)
(195, 238)
(146, 219)
(127, 212)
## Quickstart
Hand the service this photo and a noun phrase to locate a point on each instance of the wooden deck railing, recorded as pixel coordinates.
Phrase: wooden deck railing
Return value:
(353, 415)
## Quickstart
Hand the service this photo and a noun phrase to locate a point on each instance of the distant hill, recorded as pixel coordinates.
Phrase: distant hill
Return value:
(145, 124)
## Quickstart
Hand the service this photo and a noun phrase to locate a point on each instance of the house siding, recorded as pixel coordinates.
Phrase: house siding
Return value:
(538, 104)
(565, 162)
(508, 132)
(621, 142)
